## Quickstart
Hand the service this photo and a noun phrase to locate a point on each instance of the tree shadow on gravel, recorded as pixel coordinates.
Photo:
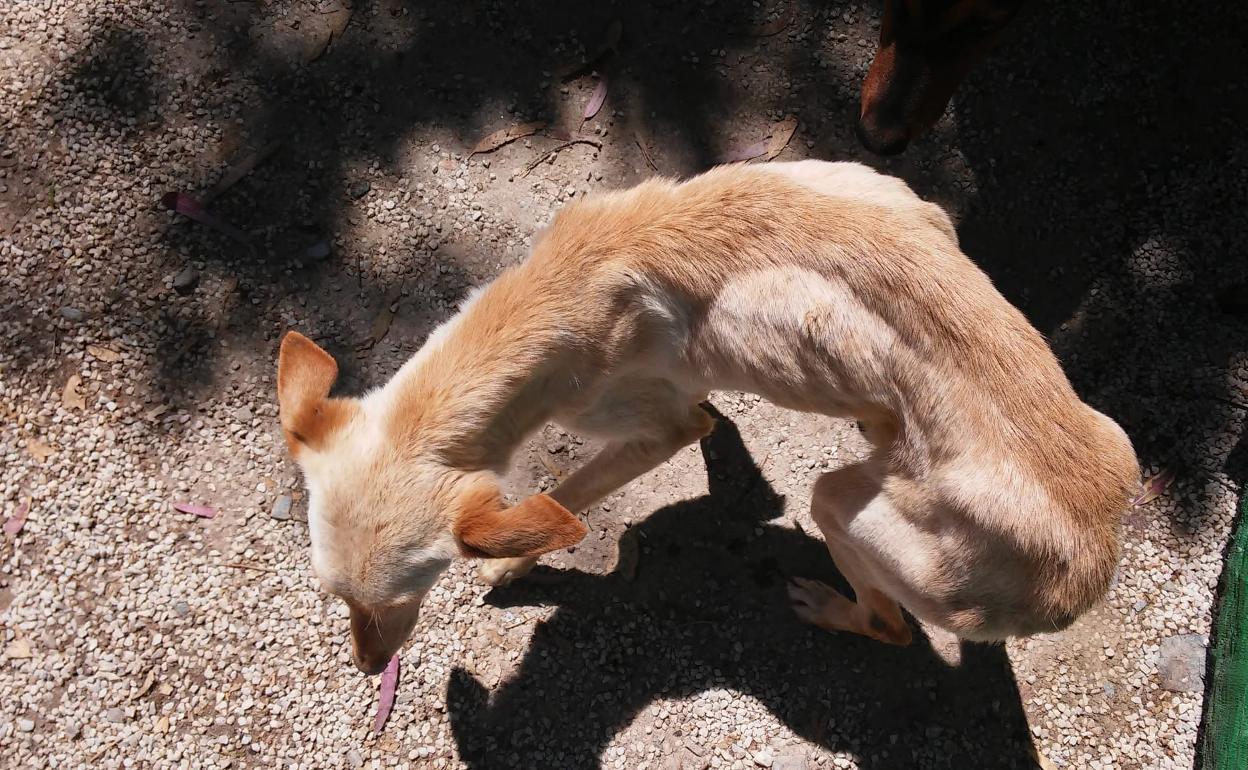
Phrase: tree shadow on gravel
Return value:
(111, 81)
(338, 100)
(707, 610)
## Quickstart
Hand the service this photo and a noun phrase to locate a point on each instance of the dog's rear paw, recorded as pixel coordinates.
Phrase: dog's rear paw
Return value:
(819, 604)
(500, 572)
(822, 605)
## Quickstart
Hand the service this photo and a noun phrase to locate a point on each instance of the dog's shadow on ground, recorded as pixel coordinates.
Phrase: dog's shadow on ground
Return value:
(708, 592)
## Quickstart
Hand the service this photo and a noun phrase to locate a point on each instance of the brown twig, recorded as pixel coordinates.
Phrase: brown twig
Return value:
(555, 151)
(256, 567)
(645, 151)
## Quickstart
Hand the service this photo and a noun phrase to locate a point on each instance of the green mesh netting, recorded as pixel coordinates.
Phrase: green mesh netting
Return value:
(1226, 713)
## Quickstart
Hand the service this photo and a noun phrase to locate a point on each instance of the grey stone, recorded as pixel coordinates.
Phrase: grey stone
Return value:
(791, 758)
(25, 725)
(115, 715)
(243, 414)
(319, 250)
(281, 508)
(1181, 663)
(556, 445)
(359, 189)
(182, 608)
(186, 280)
(354, 759)
(73, 314)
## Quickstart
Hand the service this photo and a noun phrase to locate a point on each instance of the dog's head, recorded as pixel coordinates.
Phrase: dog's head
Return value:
(926, 48)
(386, 513)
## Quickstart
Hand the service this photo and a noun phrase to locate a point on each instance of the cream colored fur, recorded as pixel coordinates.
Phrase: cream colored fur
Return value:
(990, 505)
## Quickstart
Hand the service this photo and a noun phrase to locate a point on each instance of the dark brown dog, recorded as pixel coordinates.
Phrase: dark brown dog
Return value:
(926, 48)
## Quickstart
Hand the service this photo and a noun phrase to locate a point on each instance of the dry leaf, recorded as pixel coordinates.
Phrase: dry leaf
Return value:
(507, 136)
(776, 25)
(162, 725)
(107, 747)
(1154, 488)
(70, 397)
(202, 511)
(156, 411)
(381, 324)
(746, 153)
(385, 700)
(319, 44)
(781, 133)
(595, 100)
(241, 169)
(18, 520)
(768, 147)
(189, 207)
(104, 354)
(18, 649)
(39, 450)
(147, 685)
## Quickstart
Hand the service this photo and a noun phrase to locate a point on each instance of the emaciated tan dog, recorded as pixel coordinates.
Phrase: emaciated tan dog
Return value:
(990, 506)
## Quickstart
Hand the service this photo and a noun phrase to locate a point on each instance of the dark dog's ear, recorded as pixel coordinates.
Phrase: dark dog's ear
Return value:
(534, 526)
(305, 374)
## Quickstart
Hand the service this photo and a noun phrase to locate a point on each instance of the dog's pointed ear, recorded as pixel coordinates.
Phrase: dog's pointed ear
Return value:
(305, 373)
(534, 526)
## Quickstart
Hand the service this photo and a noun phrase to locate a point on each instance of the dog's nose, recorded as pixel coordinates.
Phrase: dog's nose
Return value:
(882, 137)
(371, 665)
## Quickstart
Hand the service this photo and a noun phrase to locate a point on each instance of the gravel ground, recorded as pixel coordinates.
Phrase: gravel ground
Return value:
(1097, 170)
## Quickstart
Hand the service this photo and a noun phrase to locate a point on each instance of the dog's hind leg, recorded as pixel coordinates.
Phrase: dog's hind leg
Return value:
(838, 497)
(618, 463)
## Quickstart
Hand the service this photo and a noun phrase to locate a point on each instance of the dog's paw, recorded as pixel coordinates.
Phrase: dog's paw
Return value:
(819, 604)
(500, 572)
(822, 605)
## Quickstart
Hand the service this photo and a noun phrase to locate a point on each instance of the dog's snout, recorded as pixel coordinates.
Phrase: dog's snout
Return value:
(371, 665)
(882, 136)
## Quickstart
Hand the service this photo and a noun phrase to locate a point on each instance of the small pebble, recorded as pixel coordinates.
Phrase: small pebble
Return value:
(186, 280)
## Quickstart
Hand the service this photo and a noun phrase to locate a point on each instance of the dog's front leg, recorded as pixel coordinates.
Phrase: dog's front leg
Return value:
(618, 463)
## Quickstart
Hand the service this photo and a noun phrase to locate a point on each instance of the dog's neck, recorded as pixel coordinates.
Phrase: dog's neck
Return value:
(491, 375)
